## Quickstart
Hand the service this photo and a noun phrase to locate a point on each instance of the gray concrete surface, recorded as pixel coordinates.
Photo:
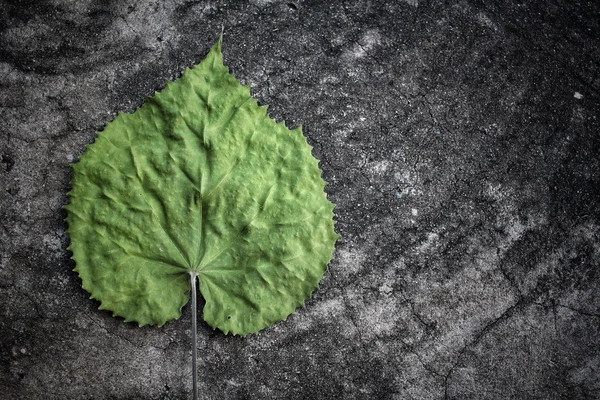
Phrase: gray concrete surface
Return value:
(461, 142)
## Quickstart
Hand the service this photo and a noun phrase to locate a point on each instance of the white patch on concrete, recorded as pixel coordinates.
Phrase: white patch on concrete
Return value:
(303, 321)
(369, 40)
(233, 382)
(332, 308)
(379, 167)
(406, 177)
(484, 20)
(379, 318)
(386, 289)
(497, 191)
(414, 212)
(515, 231)
(52, 242)
(329, 79)
(265, 391)
(398, 265)
(332, 311)
(542, 269)
(350, 261)
(261, 3)
(578, 96)
(432, 239)
(409, 182)
(414, 3)
(341, 133)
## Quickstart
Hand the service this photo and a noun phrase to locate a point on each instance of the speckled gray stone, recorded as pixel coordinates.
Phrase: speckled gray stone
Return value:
(460, 141)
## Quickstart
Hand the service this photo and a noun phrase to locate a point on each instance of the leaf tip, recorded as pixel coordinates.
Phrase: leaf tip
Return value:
(218, 46)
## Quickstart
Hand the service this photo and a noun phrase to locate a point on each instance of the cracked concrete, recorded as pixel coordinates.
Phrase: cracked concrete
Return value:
(460, 142)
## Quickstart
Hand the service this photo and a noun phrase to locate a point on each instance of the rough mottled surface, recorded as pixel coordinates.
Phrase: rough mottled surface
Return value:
(461, 144)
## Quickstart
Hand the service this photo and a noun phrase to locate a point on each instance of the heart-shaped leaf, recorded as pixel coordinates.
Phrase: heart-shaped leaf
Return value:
(200, 180)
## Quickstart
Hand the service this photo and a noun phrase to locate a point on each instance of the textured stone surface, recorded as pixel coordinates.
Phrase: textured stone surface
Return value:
(461, 144)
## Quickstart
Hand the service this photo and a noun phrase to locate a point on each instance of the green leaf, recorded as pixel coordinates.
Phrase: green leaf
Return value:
(200, 180)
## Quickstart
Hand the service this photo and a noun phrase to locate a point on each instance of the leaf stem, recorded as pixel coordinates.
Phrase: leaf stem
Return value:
(193, 276)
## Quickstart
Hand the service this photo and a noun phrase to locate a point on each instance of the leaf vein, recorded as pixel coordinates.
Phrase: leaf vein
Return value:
(260, 211)
(247, 302)
(143, 193)
(235, 164)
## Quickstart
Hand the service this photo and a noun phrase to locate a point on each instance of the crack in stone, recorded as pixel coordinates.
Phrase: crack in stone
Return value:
(99, 325)
(477, 338)
(353, 322)
(575, 310)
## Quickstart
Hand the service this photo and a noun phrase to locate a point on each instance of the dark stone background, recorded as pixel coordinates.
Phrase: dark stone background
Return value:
(461, 143)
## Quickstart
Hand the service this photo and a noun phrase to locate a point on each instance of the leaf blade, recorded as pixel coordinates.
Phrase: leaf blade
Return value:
(201, 180)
